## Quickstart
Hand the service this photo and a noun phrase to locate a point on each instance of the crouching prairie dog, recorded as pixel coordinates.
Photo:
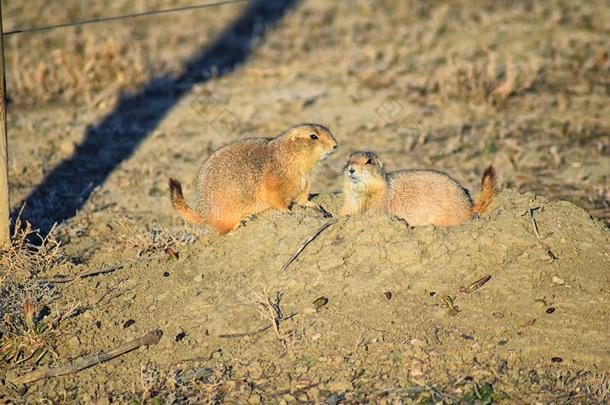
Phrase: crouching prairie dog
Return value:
(253, 175)
(420, 197)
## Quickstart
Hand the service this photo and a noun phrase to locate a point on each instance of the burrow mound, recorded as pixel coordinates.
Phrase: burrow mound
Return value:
(546, 297)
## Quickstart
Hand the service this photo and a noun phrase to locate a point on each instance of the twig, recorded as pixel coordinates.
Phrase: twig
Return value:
(534, 223)
(90, 273)
(293, 391)
(307, 242)
(531, 212)
(431, 389)
(256, 332)
(151, 338)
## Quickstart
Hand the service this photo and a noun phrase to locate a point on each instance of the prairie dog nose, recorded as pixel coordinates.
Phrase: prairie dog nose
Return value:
(351, 170)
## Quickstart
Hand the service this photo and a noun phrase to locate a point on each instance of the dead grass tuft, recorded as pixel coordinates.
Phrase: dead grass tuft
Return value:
(87, 66)
(25, 339)
(268, 307)
(28, 253)
(147, 240)
(488, 80)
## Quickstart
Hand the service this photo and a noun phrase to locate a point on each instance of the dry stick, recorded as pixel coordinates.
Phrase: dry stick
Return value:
(83, 275)
(536, 231)
(534, 223)
(151, 338)
(307, 242)
(65, 279)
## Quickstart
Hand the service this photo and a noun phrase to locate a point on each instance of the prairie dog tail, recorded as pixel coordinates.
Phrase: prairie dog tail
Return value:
(180, 205)
(488, 191)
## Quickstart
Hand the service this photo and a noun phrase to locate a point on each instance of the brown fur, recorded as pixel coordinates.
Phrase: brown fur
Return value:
(488, 191)
(421, 197)
(253, 175)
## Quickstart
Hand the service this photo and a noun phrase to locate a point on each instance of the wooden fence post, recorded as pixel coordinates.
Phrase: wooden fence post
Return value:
(4, 201)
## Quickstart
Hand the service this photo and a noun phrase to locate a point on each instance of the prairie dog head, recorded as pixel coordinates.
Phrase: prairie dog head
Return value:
(364, 169)
(310, 142)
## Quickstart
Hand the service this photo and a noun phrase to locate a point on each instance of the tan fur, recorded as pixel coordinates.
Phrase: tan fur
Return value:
(421, 197)
(253, 175)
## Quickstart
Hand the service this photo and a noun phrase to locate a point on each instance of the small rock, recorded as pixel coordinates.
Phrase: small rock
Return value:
(254, 399)
(416, 372)
(198, 278)
(67, 147)
(557, 280)
(316, 337)
(73, 342)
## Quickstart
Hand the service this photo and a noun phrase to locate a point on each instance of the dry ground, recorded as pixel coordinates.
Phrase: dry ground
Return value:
(447, 85)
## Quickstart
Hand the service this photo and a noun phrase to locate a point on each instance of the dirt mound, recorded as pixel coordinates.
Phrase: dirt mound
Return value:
(399, 297)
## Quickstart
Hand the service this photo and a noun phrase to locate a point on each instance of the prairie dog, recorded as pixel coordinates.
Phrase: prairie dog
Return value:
(420, 197)
(253, 175)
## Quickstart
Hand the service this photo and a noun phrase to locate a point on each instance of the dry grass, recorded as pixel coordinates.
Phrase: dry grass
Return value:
(26, 337)
(85, 67)
(29, 253)
(95, 63)
(23, 339)
(487, 80)
(146, 240)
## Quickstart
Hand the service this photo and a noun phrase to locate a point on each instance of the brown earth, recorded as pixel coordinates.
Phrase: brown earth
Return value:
(524, 86)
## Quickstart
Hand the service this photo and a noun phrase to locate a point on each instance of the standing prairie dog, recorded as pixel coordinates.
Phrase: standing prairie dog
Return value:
(420, 197)
(253, 175)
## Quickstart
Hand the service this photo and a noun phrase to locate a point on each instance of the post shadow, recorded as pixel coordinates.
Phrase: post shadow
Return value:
(67, 187)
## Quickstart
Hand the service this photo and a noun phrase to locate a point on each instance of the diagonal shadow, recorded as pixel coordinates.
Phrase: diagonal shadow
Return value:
(67, 187)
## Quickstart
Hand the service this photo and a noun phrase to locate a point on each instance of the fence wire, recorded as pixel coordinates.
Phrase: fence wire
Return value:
(121, 17)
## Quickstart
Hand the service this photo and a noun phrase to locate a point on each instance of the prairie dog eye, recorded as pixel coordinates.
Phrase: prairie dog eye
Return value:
(313, 137)
(369, 162)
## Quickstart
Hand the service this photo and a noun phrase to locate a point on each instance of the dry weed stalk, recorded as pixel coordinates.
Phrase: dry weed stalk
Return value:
(150, 382)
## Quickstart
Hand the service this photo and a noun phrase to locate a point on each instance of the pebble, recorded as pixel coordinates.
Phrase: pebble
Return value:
(557, 280)
(67, 147)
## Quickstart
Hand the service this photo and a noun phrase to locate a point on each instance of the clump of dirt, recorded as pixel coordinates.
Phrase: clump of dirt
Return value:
(371, 308)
